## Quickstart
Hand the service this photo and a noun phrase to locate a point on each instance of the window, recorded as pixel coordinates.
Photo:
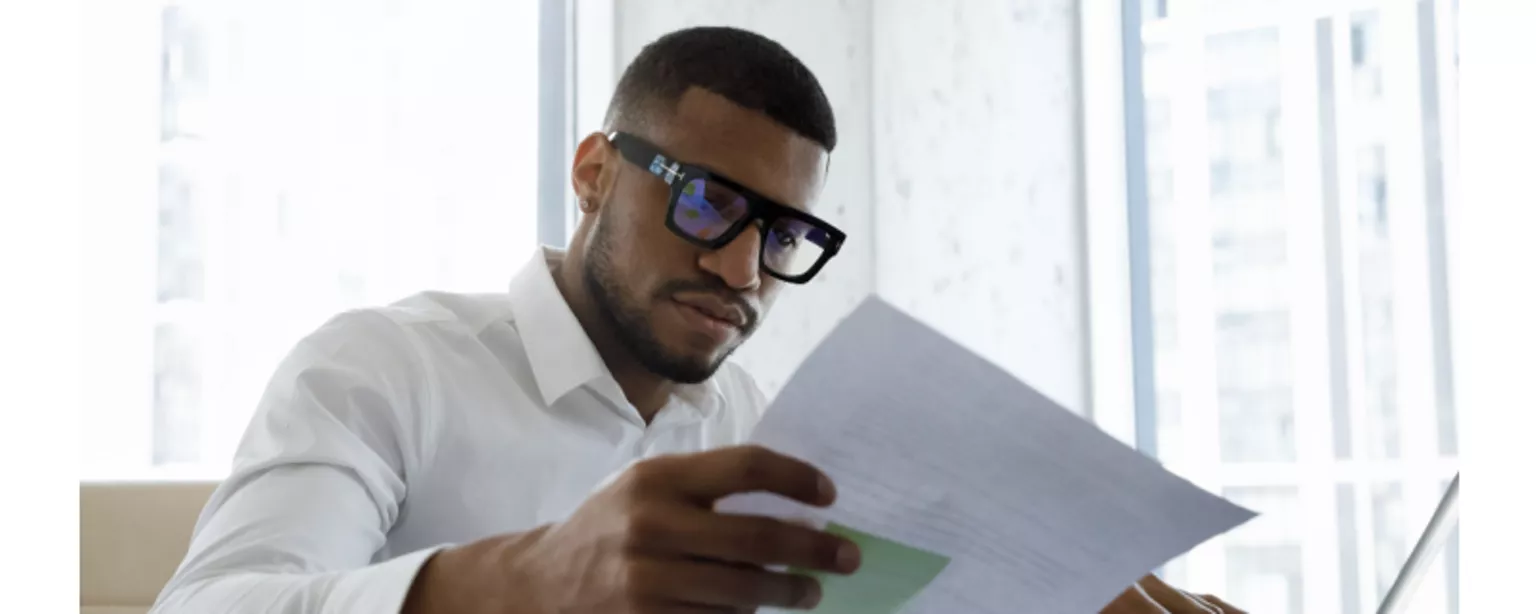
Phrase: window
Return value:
(312, 157)
(1283, 166)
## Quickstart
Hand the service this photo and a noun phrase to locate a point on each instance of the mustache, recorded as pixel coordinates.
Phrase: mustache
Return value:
(715, 288)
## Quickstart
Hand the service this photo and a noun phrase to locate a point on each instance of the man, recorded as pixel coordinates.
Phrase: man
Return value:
(559, 448)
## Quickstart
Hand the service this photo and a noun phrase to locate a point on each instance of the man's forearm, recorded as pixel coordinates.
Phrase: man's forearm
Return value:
(443, 586)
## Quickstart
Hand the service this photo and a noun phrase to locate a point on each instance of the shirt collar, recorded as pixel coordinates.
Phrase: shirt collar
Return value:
(559, 351)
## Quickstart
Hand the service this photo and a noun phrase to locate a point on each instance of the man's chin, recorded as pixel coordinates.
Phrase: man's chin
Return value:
(688, 366)
(694, 368)
(686, 373)
(683, 343)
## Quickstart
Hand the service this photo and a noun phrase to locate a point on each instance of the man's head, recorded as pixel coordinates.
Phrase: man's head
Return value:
(728, 104)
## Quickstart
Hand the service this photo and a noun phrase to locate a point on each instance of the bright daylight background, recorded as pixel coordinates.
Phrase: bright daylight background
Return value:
(1282, 233)
(295, 159)
(1298, 158)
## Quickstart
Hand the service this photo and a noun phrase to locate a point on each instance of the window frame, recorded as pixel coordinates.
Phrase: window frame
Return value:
(1116, 244)
(107, 455)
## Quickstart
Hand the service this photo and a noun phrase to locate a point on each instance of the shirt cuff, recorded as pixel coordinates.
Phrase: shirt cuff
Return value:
(381, 587)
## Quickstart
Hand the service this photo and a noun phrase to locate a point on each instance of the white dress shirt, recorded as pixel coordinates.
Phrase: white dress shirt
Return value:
(390, 433)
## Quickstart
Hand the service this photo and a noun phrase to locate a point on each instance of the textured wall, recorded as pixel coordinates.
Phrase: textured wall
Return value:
(976, 171)
(835, 45)
(956, 175)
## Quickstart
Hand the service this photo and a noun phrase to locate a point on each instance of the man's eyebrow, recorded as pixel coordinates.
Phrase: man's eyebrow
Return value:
(755, 192)
(716, 172)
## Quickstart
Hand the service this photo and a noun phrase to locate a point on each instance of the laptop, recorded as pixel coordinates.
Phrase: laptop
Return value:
(1431, 544)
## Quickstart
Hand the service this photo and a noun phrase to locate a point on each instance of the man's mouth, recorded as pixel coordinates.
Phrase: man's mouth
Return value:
(715, 309)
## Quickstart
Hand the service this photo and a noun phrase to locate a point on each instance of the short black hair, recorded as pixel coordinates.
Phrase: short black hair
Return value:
(744, 67)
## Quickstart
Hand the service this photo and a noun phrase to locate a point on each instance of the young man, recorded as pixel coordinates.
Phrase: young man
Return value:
(558, 448)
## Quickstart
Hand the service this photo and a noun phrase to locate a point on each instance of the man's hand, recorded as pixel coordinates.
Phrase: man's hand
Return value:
(1152, 596)
(651, 542)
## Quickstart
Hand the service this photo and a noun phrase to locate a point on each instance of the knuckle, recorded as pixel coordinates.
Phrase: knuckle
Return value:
(756, 465)
(740, 587)
(784, 590)
(646, 474)
(764, 540)
(644, 528)
(634, 578)
(754, 589)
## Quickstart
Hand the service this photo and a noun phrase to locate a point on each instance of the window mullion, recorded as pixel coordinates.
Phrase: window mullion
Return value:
(1195, 320)
(1308, 312)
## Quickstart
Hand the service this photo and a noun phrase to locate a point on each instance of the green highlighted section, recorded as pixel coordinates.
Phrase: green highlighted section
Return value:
(890, 575)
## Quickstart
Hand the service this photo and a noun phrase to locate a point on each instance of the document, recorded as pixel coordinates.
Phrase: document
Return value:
(968, 491)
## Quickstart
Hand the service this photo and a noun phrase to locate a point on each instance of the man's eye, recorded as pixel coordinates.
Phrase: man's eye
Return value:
(785, 239)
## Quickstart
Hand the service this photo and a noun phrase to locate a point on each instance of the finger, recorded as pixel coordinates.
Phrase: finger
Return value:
(707, 476)
(1133, 600)
(1209, 607)
(1226, 608)
(755, 540)
(1205, 602)
(704, 583)
(1172, 599)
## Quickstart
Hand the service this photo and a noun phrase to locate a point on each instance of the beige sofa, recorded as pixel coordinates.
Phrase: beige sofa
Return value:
(132, 537)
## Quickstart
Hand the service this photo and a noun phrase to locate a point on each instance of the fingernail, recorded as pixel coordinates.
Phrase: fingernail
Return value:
(811, 597)
(825, 489)
(847, 557)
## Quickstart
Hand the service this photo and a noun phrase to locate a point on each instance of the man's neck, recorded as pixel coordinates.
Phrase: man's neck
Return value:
(645, 390)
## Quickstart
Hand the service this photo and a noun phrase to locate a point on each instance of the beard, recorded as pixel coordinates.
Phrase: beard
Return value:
(630, 322)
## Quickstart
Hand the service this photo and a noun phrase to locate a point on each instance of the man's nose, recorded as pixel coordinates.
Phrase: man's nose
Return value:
(737, 262)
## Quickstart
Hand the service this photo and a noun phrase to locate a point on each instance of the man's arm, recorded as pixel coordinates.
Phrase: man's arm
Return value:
(318, 483)
(296, 538)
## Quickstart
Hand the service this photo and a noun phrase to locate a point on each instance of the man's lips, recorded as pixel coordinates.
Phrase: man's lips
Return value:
(715, 309)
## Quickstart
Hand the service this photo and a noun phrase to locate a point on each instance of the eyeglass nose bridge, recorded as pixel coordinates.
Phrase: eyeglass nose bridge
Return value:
(754, 219)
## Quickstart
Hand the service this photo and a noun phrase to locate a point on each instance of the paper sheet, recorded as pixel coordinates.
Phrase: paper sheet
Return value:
(942, 453)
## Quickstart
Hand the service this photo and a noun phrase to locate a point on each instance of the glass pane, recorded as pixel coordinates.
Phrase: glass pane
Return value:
(1349, 551)
(1247, 230)
(1393, 539)
(792, 247)
(177, 394)
(183, 74)
(1374, 238)
(1264, 556)
(1394, 529)
(1250, 283)
(179, 245)
(379, 162)
(706, 209)
(1163, 231)
(1176, 572)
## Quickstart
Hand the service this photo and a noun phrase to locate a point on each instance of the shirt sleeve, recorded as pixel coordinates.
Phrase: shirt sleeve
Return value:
(318, 481)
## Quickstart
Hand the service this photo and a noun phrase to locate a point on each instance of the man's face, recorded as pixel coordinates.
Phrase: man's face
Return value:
(680, 309)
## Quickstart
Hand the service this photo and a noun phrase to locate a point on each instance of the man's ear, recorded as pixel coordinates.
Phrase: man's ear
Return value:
(593, 169)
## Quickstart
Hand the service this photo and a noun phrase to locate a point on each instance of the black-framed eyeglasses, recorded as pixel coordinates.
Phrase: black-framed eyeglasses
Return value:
(710, 210)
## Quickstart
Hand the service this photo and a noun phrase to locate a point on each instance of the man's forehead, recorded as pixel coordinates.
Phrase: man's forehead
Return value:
(747, 146)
